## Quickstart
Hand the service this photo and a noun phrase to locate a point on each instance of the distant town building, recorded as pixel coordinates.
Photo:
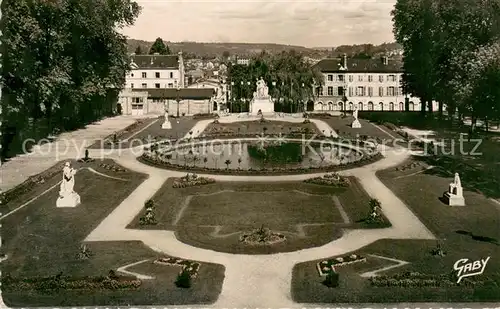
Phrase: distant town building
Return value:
(158, 82)
(368, 84)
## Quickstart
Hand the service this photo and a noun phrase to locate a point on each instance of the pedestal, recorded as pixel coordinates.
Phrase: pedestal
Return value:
(453, 199)
(166, 125)
(356, 124)
(71, 200)
(266, 106)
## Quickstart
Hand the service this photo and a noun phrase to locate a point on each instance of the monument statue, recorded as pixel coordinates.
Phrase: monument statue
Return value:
(166, 124)
(454, 196)
(262, 90)
(355, 124)
(67, 196)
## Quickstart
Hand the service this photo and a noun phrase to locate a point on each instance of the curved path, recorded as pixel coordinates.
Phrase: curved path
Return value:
(259, 280)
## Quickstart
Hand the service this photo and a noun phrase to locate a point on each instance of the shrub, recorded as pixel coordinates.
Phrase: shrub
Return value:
(332, 279)
(183, 279)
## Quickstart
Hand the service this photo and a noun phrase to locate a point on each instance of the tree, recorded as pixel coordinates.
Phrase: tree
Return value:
(225, 54)
(138, 50)
(159, 47)
(64, 63)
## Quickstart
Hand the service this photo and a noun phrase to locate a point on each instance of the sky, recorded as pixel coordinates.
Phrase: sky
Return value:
(309, 23)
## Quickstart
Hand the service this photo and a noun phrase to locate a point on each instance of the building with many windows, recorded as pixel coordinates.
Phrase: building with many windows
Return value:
(368, 84)
(157, 83)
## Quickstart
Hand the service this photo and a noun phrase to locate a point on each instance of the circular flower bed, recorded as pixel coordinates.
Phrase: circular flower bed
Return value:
(262, 236)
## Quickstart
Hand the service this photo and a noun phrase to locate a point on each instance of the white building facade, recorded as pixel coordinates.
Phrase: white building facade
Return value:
(368, 84)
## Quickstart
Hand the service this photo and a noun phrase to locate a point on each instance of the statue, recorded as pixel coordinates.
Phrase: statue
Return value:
(166, 124)
(454, 196)
(355, 124)
(67, 196)
(262, 90)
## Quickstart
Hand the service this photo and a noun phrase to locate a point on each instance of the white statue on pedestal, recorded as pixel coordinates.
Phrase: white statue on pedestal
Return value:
(262, 90)
(67, 196)
(454, 196)
(166, 124)
(355, 124)
(261, 99)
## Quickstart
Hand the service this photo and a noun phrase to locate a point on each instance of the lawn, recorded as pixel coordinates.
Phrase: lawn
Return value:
(342, 125)
(465, 232)
(213, 216)
(257, 127)
(149, 129)
(41, 240)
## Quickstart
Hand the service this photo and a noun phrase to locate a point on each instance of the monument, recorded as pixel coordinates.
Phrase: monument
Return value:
(67, 196)
(454, 196)
(166, 124)
(355, 124)
(261, 100)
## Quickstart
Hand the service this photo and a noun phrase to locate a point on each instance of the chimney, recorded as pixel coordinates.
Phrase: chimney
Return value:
(385, 60)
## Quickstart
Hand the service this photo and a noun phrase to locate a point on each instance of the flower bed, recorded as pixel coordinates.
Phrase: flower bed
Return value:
(191, 180)
(157, 162)
(326, 266)
(191, 267)
(333, 179)
(262, 236)
(50, 284)
(112, 167)
(415, 279)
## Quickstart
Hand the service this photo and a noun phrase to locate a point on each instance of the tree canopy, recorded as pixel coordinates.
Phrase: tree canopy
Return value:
(63, 64)
(159, 47)
(450, 52)
(291, 80)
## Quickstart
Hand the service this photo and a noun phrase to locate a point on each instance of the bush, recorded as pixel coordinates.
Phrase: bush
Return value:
(183, 279)
(332, 279)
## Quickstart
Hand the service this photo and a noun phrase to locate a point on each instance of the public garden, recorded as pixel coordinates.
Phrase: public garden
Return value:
(365, 224)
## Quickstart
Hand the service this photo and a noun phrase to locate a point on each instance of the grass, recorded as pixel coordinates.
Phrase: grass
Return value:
(213, 219)
(258, 128)
(41, 240)
(342, 125)
(465, 232)
(155, 130)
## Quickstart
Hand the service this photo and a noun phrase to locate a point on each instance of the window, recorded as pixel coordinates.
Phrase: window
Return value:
(360, 91)
(351, 106)
(380, 91)
(401, 106)
(157, 85)
(319, 91)
(157, 74)
(132, 85)
(391, 106)
(411, 106)
(330, 91)
(132, 74)
(360, 106)
(400, 90)
(340, 78)
(144, 75)
(391, 91)
(370, 106)
(370, 78)
(144, 85)
(370, 91)
(351, 78)
(381, 106)
(170, 85)
(351, 91)
(330, 77)
(380, 78)
(340, 90)
(360, 78)
(137, 106)
(171, 74)
(137, 100)
(391, 78)
(340, 106)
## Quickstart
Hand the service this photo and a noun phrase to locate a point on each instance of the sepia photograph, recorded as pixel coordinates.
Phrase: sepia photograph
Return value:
(250, 154)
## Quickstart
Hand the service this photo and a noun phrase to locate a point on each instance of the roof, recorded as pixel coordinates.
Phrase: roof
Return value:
(332, 65)
(155, 61)
(184, 93)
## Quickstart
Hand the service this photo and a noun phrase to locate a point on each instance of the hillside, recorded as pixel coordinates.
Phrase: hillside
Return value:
(212, 50)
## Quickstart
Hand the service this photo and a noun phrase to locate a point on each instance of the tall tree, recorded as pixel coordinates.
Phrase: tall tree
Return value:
(159, 47)
(64, 63)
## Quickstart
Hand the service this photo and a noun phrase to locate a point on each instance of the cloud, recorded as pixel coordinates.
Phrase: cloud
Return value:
(302, 22)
